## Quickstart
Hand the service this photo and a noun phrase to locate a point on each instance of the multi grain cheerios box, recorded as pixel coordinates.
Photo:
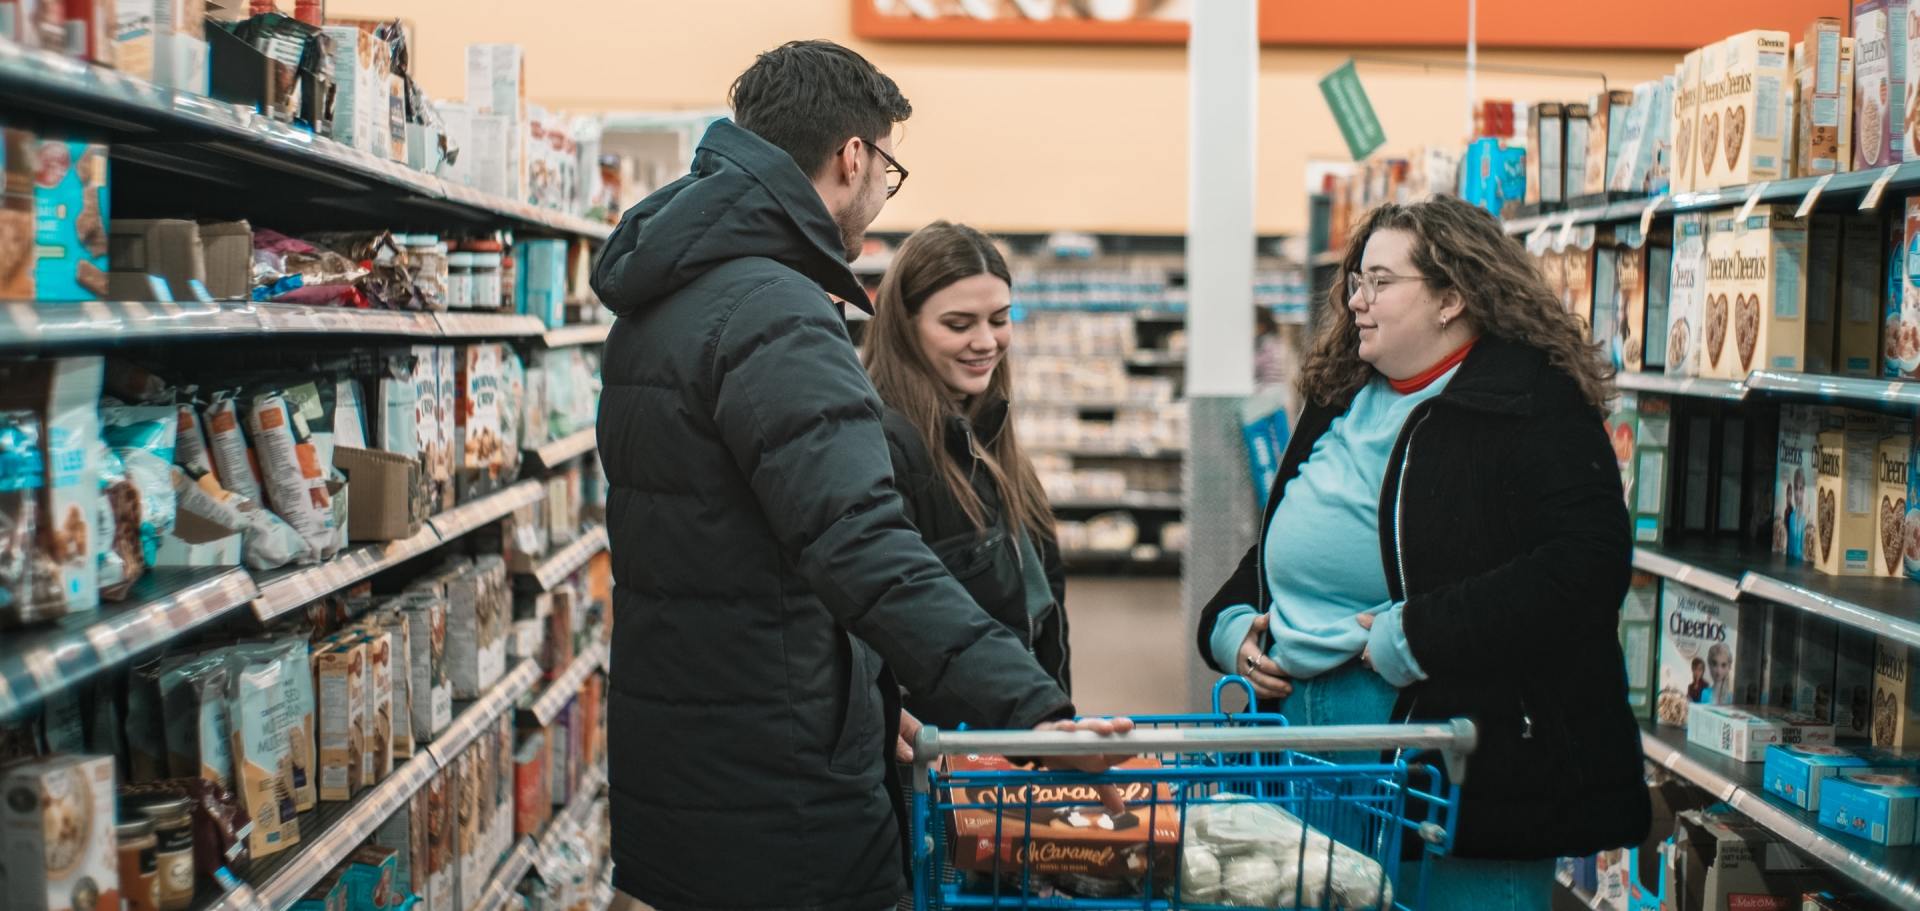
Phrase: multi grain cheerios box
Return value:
(1743, 114)
(1891, 465)
(1896, 703)
(1843, 507)
(1708, 652)
(1756, 303)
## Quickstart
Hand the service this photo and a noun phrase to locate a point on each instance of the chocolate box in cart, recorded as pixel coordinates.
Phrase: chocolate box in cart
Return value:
(1079, 839)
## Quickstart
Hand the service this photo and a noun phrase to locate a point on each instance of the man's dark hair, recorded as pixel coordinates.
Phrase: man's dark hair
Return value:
(809, 97)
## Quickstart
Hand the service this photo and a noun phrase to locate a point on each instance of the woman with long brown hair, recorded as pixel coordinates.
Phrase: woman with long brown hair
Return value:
(1447, 536)
(937, 352)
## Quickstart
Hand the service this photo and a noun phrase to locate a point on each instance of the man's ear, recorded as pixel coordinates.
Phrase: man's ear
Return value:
(844, 165)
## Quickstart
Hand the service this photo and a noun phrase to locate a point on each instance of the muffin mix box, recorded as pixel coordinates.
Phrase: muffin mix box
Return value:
(1891, 465)
(1756, 293)
(1879, 82)
(57, 842)
(1879, 805)
(1743, 121)
(1844, 511)
(1900, 335)
(1896, 703)
(1687, 299)
(1708, 653)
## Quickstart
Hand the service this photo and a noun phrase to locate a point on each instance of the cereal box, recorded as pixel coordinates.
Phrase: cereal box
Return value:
(1743, 125)
(1817, 640)
(1819, 145)
(1863, 292)
(1685, 117)
(1579, 264)
(1795, 772)
(1756, 293)
(1823, 291)
(1650, 469)
(479, 446)
(1896, 700)
(1549, 122)
(1912, 556)
(1844, 513)
(340, 676)
(1795, 474)
(1890, 471)
(1630, 281)
(1744, 732)
(1901, 334)
(1687, 300)
(1879, 805)
(1708, 652)
(70, 221)
(447, 375)
(1638, 618)
(1606, 130)
(56, 835)
(1879, 82)
(1853, 672)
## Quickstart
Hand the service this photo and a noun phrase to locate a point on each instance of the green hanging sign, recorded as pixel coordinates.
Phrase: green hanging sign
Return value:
(1352, 111)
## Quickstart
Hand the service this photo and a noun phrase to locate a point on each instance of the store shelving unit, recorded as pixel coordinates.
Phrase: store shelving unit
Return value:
(583, 334)
(507, 876)
(565, 561)
(567, 448)
(566, 686)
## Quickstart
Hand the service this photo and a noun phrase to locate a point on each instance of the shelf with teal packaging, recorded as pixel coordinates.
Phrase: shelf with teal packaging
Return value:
(580, 334)
(467, 324)
(1892, 874)
(1898, 396)
(564, 562)
(287, 589)
(334, 829)
(566, 687)
(164, 604)
(555, 453)
(1847, 189)
(1883, 606)
(1690, 386)
(196, 137)
(40, 325)
(552, 841)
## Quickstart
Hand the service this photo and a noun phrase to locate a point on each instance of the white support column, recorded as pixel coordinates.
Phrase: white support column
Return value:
(1223, 66)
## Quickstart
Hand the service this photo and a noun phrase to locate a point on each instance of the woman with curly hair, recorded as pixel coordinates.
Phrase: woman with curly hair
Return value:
(1447, 537)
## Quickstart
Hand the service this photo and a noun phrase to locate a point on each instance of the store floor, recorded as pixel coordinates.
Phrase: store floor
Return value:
(1130, 645)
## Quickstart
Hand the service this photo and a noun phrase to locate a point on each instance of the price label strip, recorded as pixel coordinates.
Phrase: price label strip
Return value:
(1754, 194)
(1879, 188)
(1646, 214)
(1813, 196)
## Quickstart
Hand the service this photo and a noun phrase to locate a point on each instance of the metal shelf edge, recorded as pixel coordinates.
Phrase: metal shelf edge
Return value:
(1687, 574)
(565, 687)
(583, 334)
(515, 866)
(468, 516)
(370, 811)
(1813, 602)
(570, 558)
(288, 592)
(572, 446)
(473, 722)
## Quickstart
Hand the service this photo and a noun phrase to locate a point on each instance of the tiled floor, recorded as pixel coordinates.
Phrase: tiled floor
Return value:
(1130, 645)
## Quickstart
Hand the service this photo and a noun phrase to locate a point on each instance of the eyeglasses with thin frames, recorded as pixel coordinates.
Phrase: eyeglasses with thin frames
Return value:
(896, 175)
(1367, 284)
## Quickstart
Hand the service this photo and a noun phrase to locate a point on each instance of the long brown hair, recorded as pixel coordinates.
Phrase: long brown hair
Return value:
(935, 257)
(1458, 247)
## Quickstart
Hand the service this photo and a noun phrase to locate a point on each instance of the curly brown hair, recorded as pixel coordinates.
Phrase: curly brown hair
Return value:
(1458, 247)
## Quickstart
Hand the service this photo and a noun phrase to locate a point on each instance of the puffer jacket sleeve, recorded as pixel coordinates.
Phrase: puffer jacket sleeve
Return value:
(1556, 599)
(803, 424)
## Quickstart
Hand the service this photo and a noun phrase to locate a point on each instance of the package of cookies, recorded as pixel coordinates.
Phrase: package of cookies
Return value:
(1709, 652)
(1685, 112)
(70, 204)
(57, 835)
(1687, 295)
(1880, 51)
(1892, 463)
(1845, 520)
(1896, 700)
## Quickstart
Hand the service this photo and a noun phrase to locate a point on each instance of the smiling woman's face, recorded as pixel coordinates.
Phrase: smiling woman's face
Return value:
(965, 329)
(1400, 332)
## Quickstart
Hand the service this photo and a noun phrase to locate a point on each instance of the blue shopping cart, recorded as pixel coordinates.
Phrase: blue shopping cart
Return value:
(1229, 811)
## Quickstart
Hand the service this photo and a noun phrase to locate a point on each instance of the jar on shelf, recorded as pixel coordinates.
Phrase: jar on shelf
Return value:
(460, 281)
(487, 256)
(172, 819)
(139, 864)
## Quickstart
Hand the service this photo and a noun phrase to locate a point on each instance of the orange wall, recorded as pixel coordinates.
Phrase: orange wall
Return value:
(1024, 138)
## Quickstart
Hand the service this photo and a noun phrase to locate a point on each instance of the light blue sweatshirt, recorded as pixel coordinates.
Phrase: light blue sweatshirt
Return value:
(1322, 556)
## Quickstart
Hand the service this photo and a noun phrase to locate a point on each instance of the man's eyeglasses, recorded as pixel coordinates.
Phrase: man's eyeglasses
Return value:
(896, 175)
(1367, 284)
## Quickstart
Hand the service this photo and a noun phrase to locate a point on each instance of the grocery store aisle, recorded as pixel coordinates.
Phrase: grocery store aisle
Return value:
(1129, 644)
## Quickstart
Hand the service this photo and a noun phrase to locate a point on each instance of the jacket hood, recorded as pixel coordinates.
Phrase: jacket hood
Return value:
(745, 197)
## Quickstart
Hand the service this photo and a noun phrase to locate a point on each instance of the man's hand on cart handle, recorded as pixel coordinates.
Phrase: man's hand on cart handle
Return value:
(1105, 727)
(1266, 676)
(909, 733)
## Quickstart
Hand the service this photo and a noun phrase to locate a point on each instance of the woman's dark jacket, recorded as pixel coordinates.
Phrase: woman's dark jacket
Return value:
(987, 564)
(1504, 529)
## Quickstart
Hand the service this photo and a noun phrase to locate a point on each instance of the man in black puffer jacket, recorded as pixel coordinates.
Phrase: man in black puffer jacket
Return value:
(769, 589)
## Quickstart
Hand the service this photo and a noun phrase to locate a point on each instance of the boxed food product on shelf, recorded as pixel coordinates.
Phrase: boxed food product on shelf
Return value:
(441, 871)
(1575, 139)
(389, 498)
(1795, 772)
(1853, 681)
(181, 57)
(1607, 119)
(1892, 462)
(1745, 732)
(1709, 652)
(480, 450)
(399, 633)
(405, 833)
(329, 893)
(1796, 470)
(1896, 697)
(1845, 517)
(59, 848)
(70, 202)
(1749, 97)
(197, 714)
(1722, 860)
(1880, 90)
(1901, 333)
(1639, 617)
(1912, 556)
(377, 760)
(1863, 291)
(1821, 146)
(1549, 147)
(1630, 282)
(62, 395)
(1687, 299)
(1823, 291)
(370, 874)
(361, 68)
(1756, 300)
(1813, 664)
(430, 688)
(1879, 805)
(167, 248)
(340, 683)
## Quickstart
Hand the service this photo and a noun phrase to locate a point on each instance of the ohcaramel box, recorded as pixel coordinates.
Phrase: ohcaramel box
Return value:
(1077, 838)
(1879, 82)
(1892, 463)
(1756, 293)
(1844, 511)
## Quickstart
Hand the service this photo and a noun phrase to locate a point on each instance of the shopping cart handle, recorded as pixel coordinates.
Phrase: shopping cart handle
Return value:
(1454, 739)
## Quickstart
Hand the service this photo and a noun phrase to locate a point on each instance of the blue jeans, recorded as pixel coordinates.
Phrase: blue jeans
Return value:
(1351, 694)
